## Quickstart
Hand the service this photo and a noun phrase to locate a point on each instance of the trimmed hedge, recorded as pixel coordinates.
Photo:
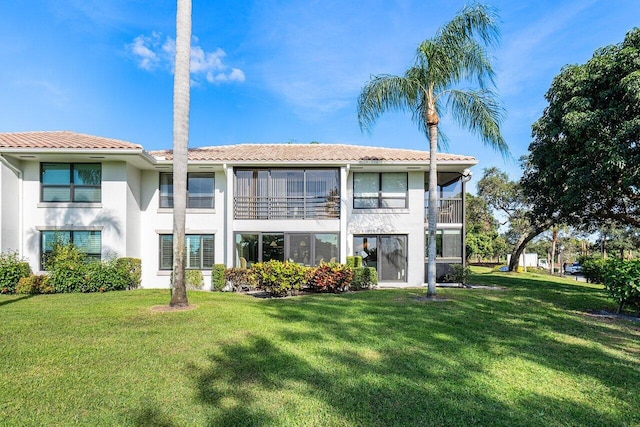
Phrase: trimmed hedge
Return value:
(364, 278)
(35, 284)
(218, 281)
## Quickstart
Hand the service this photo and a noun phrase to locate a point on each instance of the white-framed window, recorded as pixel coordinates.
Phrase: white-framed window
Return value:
(200, 250)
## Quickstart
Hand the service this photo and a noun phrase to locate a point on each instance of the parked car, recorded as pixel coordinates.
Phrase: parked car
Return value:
(574, 268)
(542, 263)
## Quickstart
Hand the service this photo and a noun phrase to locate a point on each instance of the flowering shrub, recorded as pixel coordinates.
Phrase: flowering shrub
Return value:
(331, 277)
(35, 284)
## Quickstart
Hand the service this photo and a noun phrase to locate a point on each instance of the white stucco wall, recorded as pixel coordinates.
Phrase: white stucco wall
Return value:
(409, 221)
(156, 221)
(109, 216)
(9, 210)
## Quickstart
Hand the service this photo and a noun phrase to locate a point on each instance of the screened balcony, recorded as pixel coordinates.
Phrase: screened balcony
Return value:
(286, 194)
(450, 203)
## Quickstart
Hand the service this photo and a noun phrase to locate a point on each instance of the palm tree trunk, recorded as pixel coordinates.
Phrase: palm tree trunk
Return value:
(181, 99)
(432, 214)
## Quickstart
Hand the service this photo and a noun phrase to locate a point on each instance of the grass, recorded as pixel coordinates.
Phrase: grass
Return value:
(526, 355)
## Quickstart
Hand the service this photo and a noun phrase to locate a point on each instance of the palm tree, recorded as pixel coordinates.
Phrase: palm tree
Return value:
(181, 98)
(456, 55)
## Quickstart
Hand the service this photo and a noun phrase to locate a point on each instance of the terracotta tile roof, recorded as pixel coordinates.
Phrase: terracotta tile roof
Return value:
(62, 140)
(308, 152)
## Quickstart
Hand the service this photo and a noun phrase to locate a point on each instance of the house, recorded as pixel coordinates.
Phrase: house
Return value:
(246, 203)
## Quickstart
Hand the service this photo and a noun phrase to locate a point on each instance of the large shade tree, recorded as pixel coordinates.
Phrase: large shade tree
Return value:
(456, 56)
(584, 163)
(181, 99)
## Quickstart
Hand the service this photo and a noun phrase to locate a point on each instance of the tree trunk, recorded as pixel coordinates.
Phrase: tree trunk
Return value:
(181, 100)
(432, 214)
(520, 245)
(554, 244)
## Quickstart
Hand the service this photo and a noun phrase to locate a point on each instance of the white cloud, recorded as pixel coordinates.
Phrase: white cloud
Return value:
(152, 52)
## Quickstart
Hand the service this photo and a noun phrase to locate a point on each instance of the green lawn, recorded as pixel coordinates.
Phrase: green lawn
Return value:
(525, 355)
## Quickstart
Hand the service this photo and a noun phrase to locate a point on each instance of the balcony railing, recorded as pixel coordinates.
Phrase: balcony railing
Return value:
(318, 207)
(449, 211)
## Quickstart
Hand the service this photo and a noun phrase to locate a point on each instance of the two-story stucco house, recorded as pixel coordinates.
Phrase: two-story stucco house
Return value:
(246, 203)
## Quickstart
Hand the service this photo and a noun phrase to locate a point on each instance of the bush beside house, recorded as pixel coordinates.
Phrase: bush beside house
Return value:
(12, 269)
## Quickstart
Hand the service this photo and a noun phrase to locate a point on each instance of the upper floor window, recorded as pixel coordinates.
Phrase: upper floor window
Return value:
(373, 190)
(286, 193)
(199, 251)
(87, 242)
(71, 182)
(200, 190)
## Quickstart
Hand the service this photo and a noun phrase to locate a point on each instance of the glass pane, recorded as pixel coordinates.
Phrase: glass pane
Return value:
(194, 252)
(49, 238)
(166, 190)
(326, 247)
(273, 247)
(393, 258)
(365, 203)
(88, 242)
(56, 194)
(300, 248)
(367, 248)
(366, 184)
(56, 173)
(201, 190)
(246, 250)
(87, 174)
(394, 182)
(86, 194)
(208, 251)
(166, 252)
(393, 202)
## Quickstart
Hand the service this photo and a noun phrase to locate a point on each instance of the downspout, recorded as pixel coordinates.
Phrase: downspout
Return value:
(18, 172)
(466, 177)
(229, 258)
(344, 203)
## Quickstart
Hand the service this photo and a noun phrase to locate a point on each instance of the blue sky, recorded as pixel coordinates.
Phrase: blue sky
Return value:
(273, 71)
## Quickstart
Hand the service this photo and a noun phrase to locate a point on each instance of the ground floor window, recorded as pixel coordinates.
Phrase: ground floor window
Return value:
(88, 242)
(387, 253)
(200, 251)
(302, 248)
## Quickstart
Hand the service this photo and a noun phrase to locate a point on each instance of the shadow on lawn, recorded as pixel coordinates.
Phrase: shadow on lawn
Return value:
(383, 358)
(12, 300)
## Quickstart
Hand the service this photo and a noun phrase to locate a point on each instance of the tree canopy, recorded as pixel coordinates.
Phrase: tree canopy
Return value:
(584, 161)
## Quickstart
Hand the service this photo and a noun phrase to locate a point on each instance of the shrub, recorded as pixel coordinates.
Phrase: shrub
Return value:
(132, 267)
(354, 261)
(106, 276)
(218, 281)
(193, 279)
(364, 278)
(592, 268)
(279, 278)
(621, 280)
(67, 268)
(458, 274)
(12, 269)
(240, 278)
(331, 277)
(35, 284)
